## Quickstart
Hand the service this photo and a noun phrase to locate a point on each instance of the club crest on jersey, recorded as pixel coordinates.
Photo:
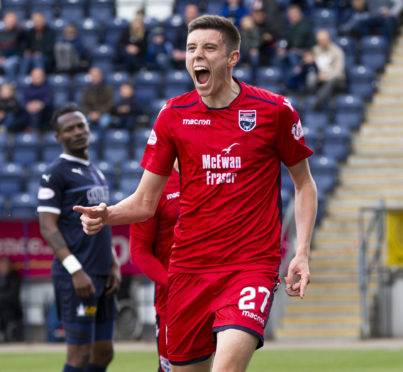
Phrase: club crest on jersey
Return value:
(247, 120)
(297, 130)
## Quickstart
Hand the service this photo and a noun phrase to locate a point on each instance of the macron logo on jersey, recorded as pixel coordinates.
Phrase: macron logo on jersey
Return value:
(196, 122)
(173, 195)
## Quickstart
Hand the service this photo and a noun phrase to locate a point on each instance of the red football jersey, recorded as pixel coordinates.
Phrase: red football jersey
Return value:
(230, 206)
(151, 240)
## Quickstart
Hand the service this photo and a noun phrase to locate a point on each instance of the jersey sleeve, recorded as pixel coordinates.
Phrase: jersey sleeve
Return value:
(160, 152)
(142, 237)
(290, 142)
(50, 192)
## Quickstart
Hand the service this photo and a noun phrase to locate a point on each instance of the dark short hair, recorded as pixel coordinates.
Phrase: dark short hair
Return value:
(230, 34)
(71, 107)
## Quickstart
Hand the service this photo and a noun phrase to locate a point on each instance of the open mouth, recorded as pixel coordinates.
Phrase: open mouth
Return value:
(202, 75)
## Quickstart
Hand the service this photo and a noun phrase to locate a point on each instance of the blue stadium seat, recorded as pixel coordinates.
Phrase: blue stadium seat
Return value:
(113, 30)
(11, 179)
(309, 105)
(348, 44)
(268, 75)
(33, 180)
(140, 138)
(117, 196)
(89, 31)
(2, 206)
(46, 7)
(315, 120)
(349, 111)
(116, 79)
(130, 175)
(147, 86)
(171, 25)
(243, 74)
(324, 17)
(51, 149)
(373, 52)
(80, 81)
(26, 147)
(336, 142)
(3, 147)
(155, 109)
(23, 206)
(95, 146)
(312, 138)
(115, 148)
(61, 88)
(150, 22)
(103, 56)
(109, 171)
(324, 171)
(101, 10)
(72, 10)
(176, 83)
(20, 7)
(287, 183)
(58, 25)
(361, 81)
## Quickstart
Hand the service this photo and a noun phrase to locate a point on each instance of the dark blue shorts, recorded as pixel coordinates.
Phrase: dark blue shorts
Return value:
(85, 319)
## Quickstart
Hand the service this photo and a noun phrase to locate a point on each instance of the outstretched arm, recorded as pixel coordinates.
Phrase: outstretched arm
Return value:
(305, 215)
(138, 207)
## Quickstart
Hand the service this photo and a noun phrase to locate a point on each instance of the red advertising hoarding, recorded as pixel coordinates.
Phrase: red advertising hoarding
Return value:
(23, 243)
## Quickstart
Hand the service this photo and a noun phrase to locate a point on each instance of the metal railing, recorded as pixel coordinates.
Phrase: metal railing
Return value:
(370, 260)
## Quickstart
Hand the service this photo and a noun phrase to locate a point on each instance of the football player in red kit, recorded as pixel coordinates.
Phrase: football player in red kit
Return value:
(150, 249)
(230, 139)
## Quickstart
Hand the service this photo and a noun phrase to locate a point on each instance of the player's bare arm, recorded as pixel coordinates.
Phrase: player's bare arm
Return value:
(51, 233)
(138, 207)
(305, 214)
(114, 278)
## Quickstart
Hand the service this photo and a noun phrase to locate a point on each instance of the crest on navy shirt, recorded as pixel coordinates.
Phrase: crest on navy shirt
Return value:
(247, 120)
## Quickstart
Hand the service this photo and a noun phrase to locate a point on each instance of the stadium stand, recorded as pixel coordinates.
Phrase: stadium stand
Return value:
(25, 148)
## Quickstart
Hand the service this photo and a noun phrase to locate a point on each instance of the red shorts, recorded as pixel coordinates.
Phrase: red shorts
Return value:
(200, 305)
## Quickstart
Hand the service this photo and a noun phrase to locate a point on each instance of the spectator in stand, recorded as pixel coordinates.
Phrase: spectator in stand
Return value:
(234, 11)
(250, 42)
(11, 118)
(159, 51)
(271, 29)
(10, 45)
(39, 46)
(38, 101)
(126, 109)
(384, 16)
(179, 40)
(70, 54)
(299, 36)
(303, 78)
(10, 304)
(329, 58)
(355, 21)
(97, 101)
(132, 45)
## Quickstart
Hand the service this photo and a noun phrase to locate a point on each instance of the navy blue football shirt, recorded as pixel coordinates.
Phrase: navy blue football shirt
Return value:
(67, 182)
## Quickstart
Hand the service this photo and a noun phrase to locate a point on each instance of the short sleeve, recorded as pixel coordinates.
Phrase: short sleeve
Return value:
(290, 142)
(50, 193)
(160, 152)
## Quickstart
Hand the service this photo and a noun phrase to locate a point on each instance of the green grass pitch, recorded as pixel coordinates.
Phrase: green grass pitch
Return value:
(370, 360)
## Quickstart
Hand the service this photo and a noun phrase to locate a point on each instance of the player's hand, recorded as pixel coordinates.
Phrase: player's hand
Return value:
(113, 281)
(83, 284)
(94, 218)
(298, 268)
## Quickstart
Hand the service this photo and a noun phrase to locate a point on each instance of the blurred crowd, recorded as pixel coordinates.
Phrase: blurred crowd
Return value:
(297, 37)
